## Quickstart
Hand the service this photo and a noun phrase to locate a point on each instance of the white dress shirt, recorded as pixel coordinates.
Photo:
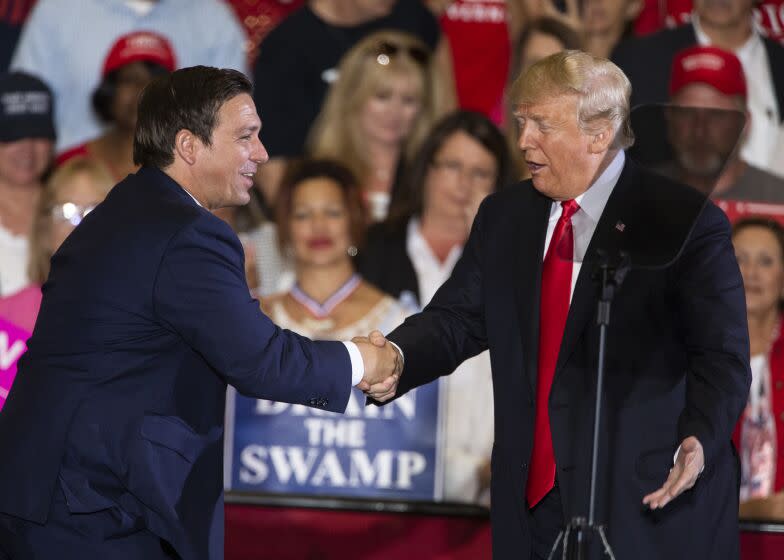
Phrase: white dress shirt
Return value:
(584, 221)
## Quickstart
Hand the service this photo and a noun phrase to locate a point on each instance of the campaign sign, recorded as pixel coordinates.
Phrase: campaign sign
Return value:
(387, 452)
(13, 343)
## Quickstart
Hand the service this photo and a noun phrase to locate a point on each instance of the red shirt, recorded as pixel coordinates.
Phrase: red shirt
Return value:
(479, 39)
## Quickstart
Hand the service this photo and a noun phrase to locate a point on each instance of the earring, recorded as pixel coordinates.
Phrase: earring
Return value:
(352, 251)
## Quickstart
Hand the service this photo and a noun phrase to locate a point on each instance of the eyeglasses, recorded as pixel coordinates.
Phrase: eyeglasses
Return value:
(71, 213)
(476, 175)
(384, 51)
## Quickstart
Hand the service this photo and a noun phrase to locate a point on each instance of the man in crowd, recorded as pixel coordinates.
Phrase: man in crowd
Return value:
(727, 24)
(705, 150)
(675, 383)
(112, 435)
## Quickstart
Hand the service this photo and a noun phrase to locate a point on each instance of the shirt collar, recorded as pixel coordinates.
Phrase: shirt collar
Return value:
(593, 200)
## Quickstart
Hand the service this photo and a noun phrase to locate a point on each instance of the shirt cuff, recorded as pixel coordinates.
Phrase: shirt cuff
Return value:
(399, 351)
(675, 458)
(357, 364)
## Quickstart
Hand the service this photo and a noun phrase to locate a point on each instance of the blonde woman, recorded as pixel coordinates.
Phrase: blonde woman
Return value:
(378, 111)
(71, 193)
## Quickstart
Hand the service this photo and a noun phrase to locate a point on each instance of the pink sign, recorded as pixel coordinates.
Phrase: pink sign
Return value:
(13, 343)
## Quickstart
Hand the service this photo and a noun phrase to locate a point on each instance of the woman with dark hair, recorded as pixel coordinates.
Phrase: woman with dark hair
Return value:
(759, 248)
(462, 160)
(321, 224)
(132, 62)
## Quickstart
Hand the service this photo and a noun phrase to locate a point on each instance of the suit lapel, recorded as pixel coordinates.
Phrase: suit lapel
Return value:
(606, 237)
(530, 232)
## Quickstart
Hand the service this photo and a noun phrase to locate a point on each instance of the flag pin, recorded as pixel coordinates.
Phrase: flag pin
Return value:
(620, 226)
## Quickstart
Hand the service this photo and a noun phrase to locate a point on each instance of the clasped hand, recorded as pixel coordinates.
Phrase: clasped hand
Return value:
(383, 366)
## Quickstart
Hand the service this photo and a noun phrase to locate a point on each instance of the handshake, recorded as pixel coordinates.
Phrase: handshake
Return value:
(383, 366)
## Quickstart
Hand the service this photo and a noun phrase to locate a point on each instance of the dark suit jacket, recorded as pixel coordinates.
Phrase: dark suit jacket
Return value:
(677, 365)
(647, 61)
(145, 318)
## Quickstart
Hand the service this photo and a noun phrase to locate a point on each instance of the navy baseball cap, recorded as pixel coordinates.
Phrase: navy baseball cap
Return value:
(25, 108)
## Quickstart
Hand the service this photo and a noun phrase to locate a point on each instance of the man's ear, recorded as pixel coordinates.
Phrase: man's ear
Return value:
(601, 140)
(187, 146)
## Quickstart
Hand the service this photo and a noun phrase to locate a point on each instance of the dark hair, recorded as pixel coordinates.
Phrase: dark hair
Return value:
(763, 222)
(408, 200)
(547, 26)
(302, 170)
(188, 99)
(103, 96)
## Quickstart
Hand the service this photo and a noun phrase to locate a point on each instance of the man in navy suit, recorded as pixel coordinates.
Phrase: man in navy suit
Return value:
(112, 436)
(677, 368)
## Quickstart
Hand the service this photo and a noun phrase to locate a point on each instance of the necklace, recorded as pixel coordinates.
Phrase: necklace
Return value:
(323, 310)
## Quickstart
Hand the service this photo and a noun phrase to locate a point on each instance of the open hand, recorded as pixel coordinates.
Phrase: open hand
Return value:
(683, 475)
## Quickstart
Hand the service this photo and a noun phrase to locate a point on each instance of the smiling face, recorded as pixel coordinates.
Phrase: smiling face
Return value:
(24, 162)
(320, 225)
(563, 159)
(224, 170)
(762, 267)
(387, 117)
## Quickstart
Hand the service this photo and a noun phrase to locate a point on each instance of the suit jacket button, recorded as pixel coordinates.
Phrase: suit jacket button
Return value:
(525, 465)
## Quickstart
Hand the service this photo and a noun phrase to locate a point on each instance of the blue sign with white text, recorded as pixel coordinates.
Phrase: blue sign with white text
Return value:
(388, 452)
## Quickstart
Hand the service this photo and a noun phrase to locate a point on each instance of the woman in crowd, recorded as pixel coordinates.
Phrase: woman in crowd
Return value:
(540, 39)
(463, 159)
(71, 192)
(132, 62)
(385, 99)
(26, 143)
(321, 224)
(759, 437)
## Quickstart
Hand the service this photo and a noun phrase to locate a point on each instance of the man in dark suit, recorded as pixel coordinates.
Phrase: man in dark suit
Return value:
(112, 436)
(677, 369)
(729, 25)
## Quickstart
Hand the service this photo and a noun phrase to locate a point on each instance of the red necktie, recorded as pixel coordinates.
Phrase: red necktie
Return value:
(554, 308)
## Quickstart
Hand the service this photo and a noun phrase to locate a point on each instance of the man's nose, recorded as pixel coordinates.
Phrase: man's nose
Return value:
(259, 154)
(525, 141)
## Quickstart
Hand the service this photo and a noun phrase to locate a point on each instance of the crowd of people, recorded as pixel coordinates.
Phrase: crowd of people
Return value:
(387, 123)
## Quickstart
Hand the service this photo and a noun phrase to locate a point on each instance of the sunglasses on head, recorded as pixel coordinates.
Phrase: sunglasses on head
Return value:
(385, 50)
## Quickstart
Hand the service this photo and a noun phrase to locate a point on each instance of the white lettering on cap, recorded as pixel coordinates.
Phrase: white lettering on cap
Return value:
(25, 103)
(703, 60)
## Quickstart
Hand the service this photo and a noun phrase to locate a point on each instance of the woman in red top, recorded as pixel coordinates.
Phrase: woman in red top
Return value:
(759, 436)
(132, 62)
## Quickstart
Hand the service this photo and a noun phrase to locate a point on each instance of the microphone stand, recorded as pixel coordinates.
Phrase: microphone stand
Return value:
(576, 536)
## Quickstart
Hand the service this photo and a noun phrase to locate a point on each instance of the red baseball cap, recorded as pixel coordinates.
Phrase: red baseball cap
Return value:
(140, 45)
(708, 65)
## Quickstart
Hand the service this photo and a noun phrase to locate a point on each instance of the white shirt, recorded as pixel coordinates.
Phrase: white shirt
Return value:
(584, 221)
(466, 395)
(14, 251)
(759, 147)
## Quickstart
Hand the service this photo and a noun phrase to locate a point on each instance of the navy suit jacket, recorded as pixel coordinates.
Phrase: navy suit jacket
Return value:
(146, 316)
(677, 365)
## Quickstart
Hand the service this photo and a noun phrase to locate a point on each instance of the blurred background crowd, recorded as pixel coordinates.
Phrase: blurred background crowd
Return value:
(386, 125)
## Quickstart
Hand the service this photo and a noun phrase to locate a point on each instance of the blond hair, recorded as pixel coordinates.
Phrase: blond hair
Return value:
(602, 89)
(335, 133)
(40, 252)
